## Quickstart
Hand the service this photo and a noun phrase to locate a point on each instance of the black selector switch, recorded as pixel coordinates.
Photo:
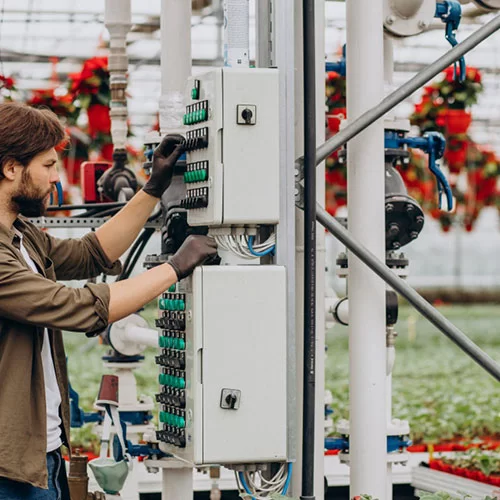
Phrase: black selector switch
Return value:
(247, 115)
(231, 401)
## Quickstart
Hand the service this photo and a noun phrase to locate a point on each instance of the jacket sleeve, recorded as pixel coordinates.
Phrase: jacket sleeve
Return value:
(27, 297)
(81, 258)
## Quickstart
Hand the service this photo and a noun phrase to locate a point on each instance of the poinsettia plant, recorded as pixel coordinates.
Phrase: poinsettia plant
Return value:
(335, 90)
(7, 87)
(91, 85)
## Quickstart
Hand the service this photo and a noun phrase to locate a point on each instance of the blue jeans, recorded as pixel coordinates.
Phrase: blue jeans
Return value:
(14, 490)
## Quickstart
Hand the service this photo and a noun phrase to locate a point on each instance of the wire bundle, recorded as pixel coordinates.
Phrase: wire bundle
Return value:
(260, 488)
(243, 245)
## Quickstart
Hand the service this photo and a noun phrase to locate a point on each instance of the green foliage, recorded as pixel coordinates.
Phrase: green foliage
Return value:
(436, 387)
(487, 461)
(441, 495)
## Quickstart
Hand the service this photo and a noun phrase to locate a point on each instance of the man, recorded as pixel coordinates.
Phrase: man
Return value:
(34, 401)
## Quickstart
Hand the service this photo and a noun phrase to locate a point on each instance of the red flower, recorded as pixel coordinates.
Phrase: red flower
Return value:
(99, 120)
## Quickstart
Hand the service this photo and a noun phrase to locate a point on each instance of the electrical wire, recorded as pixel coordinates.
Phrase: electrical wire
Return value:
(134, 253)
(87, 206)
(240, 245)
(278, 484)
(256, 253)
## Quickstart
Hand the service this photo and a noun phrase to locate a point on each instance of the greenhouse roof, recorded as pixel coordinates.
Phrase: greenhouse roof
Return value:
(42, 41)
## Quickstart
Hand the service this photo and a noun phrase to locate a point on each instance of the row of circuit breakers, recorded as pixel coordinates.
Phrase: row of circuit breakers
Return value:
(223, 361)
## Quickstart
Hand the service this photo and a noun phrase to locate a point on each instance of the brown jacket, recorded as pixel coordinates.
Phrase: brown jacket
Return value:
(29, 303)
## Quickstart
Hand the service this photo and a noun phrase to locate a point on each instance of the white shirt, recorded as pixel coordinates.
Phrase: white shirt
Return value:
(52, 393)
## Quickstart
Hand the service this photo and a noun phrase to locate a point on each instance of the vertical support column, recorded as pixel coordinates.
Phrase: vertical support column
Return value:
(320, 252)
(175, 26)
(367, 351)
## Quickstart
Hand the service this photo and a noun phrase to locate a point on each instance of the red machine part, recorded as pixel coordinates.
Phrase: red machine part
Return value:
(91, 172)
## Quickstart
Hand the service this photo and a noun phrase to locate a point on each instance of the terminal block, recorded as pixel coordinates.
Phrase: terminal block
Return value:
(196, 172)
(196, 139)
(196, 198)
(196, 113)
(172, 363)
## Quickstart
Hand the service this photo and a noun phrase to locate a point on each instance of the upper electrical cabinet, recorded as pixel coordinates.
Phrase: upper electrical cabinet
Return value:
(232, 175)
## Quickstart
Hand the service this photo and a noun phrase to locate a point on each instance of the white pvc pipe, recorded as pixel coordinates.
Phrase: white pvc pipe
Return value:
(367, 367)
(175, 25)
(141, 336)
(236, 33)
(118, 20)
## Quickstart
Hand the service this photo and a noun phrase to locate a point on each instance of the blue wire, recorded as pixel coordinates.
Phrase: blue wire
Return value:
(245, 485)
(258, 254)
(288, 478)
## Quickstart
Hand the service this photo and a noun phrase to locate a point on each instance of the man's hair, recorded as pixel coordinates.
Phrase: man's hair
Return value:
(26, 132)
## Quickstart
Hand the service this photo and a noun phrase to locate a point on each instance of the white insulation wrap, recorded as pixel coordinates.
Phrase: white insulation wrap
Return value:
(236, 33)
(171, 112)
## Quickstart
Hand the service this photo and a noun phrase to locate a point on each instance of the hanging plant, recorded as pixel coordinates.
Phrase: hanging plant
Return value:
(58, 100)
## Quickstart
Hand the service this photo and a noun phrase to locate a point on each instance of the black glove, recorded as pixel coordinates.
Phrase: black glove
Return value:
(164, 160)
(195, 250)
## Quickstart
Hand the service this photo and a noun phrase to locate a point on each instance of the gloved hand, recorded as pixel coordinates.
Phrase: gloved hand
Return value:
(195, 251)
(164, 160)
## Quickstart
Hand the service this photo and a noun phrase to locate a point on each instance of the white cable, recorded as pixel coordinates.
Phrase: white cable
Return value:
(238, 244)
(267, 487)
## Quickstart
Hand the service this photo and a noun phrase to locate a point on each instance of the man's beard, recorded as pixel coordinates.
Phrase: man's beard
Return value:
(29, 200)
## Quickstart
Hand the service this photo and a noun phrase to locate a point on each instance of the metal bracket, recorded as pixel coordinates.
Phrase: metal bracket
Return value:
(90, 222)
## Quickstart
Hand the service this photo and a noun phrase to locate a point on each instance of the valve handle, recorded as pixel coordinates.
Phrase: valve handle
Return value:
(450, 12)
(435, 151)
(433, 144)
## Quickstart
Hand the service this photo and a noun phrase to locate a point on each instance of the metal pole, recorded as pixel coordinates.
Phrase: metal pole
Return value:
(400, 286)
(366, 215)
(399, 95)
(309, 73)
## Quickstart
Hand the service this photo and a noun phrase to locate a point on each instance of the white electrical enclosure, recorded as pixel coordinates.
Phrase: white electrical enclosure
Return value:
(232, 173)
(235, 373)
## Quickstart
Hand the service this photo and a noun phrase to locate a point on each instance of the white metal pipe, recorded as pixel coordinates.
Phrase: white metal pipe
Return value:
(236, 33)
(367, 351)
(177, 484)
(391, 350)
(391, 357)
(175, 25)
